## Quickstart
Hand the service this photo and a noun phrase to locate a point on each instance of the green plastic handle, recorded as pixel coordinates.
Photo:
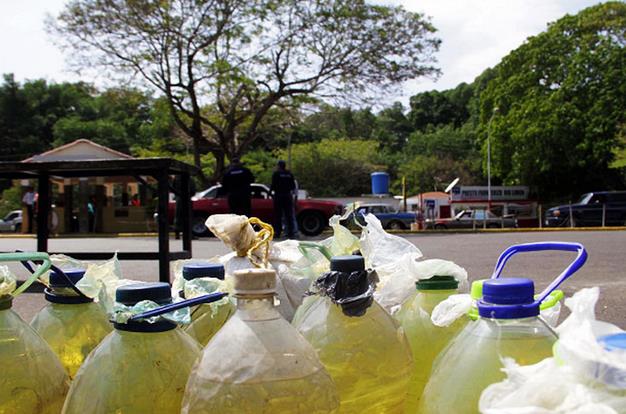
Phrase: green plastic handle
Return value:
(28, 256)
(304, 246)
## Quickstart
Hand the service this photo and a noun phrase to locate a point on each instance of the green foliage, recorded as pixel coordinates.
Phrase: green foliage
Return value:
(428, 173)
(262, 164)
(333, 168)
(10, 200)
(560, 100)
(435, 108)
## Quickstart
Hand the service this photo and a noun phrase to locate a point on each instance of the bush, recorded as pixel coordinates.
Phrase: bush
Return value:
(11, 200)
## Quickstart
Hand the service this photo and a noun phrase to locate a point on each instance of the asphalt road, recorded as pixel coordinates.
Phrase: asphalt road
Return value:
(476, 252)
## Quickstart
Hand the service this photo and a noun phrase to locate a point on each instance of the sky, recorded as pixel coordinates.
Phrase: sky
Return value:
(475, 35)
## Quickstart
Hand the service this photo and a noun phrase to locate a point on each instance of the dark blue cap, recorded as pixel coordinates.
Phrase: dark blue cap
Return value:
(57, 280)
(158, 292)
(508, 298)
(347, 264)
(615, 342)
(195, 270)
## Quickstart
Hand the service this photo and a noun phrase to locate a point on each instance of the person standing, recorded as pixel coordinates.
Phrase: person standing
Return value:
(283, 187)
(179, 212)
(28, 200)
(236, 184)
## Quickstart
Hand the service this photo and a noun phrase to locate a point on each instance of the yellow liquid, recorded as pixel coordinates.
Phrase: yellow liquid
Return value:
(307, 395)
(258, 363)
(472, 362)
(426, 340)
(72, 331)
(206, 320)
(32, 380)
(368, 357)
(134, 373)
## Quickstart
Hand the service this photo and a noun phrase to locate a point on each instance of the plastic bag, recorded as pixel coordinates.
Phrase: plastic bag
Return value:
(571, 382)
(235, 231)
(122, 313)
(380, 248)
(354, 293)
(342, 242)
(7, 281)
(398, 278)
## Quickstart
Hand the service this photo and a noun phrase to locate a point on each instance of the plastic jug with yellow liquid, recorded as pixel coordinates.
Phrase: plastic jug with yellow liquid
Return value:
(509, 326)
(426, 340)
(143, 365)
(363, 348)
(32, 379)
(208, 318)
(258, 363)
(72, 323)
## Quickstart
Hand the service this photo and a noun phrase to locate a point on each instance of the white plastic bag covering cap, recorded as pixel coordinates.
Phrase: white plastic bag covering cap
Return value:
(233, 230)
(397, 279)
(451, 309)
(380, 248)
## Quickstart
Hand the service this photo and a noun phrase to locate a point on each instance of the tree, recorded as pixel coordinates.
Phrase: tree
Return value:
(244, 57)
(393, 127)
(560, 99)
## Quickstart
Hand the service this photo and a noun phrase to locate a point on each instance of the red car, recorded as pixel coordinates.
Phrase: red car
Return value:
(312, 215)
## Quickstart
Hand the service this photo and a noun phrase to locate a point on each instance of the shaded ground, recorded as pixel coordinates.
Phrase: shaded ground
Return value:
(606, 266)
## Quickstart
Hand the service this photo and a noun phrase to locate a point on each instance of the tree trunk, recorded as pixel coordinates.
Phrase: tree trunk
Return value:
(219, 166)
(197, 140)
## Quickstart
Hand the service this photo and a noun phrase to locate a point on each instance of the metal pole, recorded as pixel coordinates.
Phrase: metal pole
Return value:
(43, 209)
(404, 192)
(495, 110)
(163, 227)
(540, 216)
(571, 216)
(603, 215)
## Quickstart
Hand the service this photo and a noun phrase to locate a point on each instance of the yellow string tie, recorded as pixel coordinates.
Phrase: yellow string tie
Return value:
(262, 239)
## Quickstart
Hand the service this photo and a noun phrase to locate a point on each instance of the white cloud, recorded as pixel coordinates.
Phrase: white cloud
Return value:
(476, 34)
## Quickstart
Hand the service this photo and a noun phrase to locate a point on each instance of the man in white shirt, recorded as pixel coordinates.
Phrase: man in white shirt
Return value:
(29, 201)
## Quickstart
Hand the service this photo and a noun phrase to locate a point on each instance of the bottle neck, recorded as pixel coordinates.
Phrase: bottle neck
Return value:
(258, 308)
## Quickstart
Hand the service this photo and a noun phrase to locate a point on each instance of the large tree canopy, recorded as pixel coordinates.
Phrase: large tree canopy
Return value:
(556, 105)
(223, 64)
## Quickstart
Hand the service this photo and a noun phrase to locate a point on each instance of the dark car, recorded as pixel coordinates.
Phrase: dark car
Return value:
(312, 215)
(592, 209)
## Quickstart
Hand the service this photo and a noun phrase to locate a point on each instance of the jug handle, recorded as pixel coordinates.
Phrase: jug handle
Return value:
(573, 267)
(304, 246)
(28, 267)
(212, 297)
(24, 257)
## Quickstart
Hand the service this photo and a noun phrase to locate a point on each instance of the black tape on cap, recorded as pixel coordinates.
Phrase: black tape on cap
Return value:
(353, 291)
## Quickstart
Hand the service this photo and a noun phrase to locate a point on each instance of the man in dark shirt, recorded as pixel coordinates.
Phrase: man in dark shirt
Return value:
(236, 185)
(283, 186)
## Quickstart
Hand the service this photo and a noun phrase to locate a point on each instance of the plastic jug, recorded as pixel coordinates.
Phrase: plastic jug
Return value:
(206, 319)
(32, 379)
(426, 340)
(258, 363)
(72, 324)
(143, 365)
(362, 347)
(509, 326)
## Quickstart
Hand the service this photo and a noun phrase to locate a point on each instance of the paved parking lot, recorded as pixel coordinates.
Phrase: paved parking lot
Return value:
(477, 252)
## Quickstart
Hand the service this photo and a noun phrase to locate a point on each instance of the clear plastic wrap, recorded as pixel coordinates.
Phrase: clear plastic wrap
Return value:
(257, 364)
(380, 248)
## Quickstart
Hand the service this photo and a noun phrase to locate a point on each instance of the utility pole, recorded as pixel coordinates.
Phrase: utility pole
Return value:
(495, 110)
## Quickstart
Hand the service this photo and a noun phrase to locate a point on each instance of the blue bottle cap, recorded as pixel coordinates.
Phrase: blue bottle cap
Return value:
(614, 342)
(57, 280)
(157, 292)
(347, 264)
(508, 298)
(195, 270)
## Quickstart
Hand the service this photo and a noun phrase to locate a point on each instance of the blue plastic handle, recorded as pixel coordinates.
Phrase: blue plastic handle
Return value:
(212, 297)
(57, 270)
(578, 262)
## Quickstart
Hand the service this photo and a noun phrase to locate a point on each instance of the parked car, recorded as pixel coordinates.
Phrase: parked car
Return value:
(467, 219)
(12, 221)
(589, 209)
(389, 216)
(312, 215)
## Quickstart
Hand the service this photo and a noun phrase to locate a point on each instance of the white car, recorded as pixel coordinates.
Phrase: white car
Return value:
(12, 222)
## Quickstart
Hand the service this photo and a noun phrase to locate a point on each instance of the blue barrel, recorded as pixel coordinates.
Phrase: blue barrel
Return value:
(380, 183)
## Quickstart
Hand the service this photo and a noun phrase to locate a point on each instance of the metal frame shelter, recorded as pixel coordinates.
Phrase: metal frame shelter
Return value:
(159, 168)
